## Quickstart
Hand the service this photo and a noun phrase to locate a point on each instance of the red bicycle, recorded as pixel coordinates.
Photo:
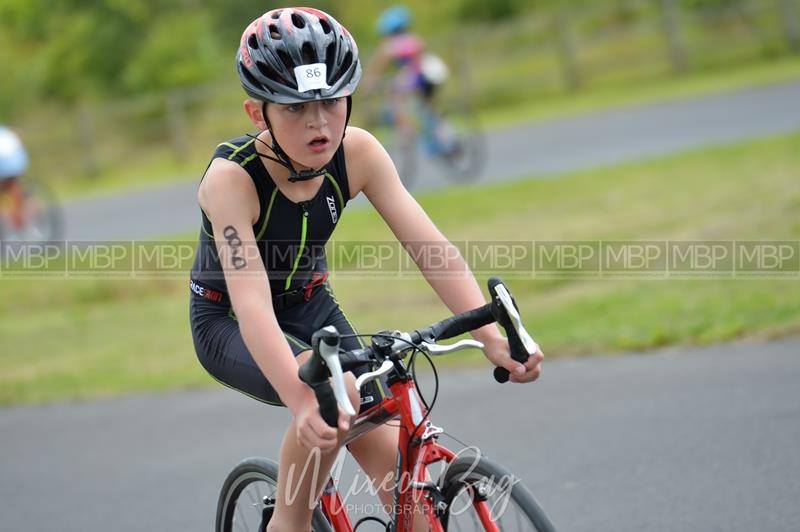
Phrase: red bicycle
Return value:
(472, 492)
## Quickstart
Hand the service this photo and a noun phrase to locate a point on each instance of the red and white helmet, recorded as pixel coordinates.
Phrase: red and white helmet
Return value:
(297, 54)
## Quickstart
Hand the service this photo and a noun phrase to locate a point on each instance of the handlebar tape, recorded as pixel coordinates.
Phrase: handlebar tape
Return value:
(315, 374)
(468, 321)
(328, 408)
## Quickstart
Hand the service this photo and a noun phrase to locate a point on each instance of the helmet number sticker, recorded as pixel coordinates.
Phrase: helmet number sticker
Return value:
(311, 77)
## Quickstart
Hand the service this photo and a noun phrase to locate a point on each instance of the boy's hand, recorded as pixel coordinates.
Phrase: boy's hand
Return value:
(498, 352)
(312, 431)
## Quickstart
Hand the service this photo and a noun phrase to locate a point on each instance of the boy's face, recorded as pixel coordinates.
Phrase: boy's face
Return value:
(311, 132)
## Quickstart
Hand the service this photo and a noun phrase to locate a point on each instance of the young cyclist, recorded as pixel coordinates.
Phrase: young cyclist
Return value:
(402, 50)
(13, 164)
(269, 203)
(416, 75)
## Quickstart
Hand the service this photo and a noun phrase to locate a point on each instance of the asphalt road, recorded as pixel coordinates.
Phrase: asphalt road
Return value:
(544, 149)
(682, 440)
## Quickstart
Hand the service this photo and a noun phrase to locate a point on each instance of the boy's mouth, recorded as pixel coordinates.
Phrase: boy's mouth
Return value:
(319, 144)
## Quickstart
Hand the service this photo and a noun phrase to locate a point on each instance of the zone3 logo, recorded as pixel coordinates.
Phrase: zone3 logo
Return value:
(332, 208)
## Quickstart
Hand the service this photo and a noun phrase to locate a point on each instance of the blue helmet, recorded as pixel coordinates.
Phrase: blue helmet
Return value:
(396, 19)
(13, 158)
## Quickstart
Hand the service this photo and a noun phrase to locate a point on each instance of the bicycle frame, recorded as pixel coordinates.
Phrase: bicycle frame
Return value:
(424, 120)
(406, 405)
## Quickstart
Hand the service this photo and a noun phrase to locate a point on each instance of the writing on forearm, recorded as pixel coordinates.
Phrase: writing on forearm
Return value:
(235, 243)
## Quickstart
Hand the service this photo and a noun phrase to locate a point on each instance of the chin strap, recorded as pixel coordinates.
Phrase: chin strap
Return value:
(283, 159)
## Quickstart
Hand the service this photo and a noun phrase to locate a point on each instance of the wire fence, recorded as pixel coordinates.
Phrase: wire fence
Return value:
(569, 49)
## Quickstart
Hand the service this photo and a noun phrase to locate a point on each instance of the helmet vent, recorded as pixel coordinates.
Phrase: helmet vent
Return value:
(287, 62)
(347, 61)
(298, 21)
(252, 41)
(326, 28)
(330, 58)
(309, 54)
(277, 14)
(252, 80)
(267, 71)
(274, 33)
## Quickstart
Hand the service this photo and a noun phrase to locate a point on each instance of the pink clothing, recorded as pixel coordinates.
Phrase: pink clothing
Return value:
(406, 51)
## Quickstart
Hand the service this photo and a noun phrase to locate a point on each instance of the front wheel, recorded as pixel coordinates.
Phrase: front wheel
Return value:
(250, 490)
(481, 495)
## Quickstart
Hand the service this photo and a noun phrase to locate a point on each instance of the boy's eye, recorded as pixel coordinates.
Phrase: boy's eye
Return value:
(294, 107)
(332, 102)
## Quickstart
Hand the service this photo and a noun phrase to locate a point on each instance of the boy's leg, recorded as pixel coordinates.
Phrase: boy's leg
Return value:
(376, 453)
(302, 473)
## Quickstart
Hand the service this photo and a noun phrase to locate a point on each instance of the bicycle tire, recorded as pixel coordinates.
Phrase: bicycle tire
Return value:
(466, 163)
(404, 156)
(51, 217)
(467, 471)
(247, 472)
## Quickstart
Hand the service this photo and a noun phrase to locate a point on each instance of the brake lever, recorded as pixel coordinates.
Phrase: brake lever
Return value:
(505, 299)
(385, 368)
(330, 354)
(436, 349)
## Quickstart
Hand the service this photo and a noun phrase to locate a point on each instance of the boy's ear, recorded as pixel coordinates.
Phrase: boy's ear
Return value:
(253, 109)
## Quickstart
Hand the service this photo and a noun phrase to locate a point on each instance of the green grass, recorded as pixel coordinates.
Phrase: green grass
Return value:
(78, 339)
(156, 165)
(649, 90)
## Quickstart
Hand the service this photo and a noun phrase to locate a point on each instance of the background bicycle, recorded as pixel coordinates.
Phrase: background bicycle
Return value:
(435, 125)
(43, 216)
(469, 492)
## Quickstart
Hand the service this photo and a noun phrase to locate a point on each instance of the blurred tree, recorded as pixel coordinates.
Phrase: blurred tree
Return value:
(481, 10)
(110, 46)
(231, 16)
(720, 5)
(17, 74)
(179, 50)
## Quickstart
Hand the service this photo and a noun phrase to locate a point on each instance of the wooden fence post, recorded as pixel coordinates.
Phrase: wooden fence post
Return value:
(677, 48)
(86, 140)
(567, 51)
(791, 24)
(175, 102)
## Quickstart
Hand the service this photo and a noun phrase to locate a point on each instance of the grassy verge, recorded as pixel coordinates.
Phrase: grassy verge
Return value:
(611, 95)
(73, 339)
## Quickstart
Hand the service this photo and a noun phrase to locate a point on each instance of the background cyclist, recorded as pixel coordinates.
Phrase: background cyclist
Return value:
(416, 75)
(13, 164)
